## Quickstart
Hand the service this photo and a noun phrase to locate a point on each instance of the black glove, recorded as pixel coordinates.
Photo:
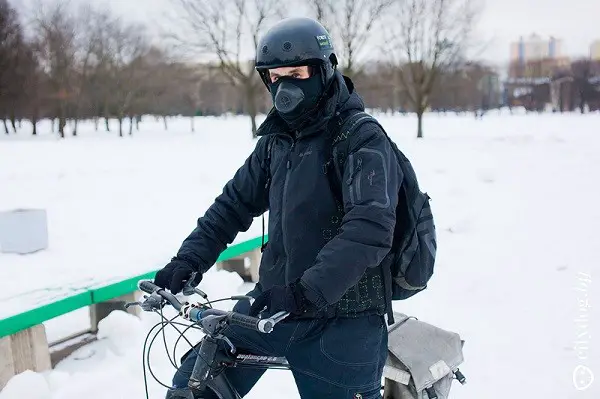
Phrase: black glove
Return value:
(176, 274)
(290, 298)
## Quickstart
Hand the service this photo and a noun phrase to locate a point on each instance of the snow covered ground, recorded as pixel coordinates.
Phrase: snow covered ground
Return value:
(116, 207)
(515, 199)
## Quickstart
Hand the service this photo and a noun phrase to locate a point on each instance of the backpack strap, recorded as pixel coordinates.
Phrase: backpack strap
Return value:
(348, 127)
(339, 132)
(270, 139)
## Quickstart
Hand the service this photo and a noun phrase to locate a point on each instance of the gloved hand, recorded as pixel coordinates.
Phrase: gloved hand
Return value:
(289, 298)
(176, 274)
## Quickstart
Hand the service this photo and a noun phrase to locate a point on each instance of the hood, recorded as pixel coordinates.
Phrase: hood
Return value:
(341, 98)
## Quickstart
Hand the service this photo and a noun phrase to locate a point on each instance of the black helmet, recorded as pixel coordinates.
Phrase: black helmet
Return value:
(296, 41)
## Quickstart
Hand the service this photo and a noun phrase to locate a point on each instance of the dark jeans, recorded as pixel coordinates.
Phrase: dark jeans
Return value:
(330, 358)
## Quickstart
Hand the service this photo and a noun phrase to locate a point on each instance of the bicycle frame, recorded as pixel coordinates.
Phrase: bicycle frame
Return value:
(256, 361)
(208, 375)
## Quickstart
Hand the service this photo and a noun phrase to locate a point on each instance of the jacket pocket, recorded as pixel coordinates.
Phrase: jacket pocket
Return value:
(368, 178)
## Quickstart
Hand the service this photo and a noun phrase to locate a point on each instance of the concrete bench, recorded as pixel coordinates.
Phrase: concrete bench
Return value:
(23, 342)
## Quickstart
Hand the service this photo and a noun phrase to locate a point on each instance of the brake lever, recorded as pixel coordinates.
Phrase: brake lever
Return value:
(232, 348)
(277, 317)
(130, 304)
(242, 297)
(135, 303)
(189, 290)
(152, 302)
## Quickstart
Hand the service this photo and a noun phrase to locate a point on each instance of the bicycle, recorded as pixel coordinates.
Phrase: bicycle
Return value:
(207, 377)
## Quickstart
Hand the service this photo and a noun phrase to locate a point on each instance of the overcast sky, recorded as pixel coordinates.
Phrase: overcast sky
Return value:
(576, 22)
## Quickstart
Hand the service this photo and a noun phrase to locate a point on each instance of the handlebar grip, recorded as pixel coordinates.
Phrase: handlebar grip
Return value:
(148, 286)
(244, 321)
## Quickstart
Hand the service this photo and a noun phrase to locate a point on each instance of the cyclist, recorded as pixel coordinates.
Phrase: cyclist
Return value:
(322, 260)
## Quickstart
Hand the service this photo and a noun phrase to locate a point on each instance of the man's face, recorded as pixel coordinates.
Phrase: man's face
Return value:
(297, 72)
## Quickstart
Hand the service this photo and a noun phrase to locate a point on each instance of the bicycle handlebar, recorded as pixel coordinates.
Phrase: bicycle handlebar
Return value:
(196, 314)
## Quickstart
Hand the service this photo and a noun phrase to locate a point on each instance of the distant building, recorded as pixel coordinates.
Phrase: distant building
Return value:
(535, 48)
(595, 50)
(538, 68)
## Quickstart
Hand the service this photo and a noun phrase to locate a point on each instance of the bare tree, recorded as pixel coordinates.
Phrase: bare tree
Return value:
(354, 23)
(223, 30)
(91, 26)
(192, 101)
(55, 29)
(35, 89)
(583, 71)
(128, 71)
(164, 94)
(13, 62)
(430, 36)
(101, 76)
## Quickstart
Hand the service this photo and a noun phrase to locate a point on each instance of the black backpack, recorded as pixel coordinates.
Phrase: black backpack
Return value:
(412, 257)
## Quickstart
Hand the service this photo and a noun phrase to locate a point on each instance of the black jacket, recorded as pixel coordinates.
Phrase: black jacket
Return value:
(335, 253)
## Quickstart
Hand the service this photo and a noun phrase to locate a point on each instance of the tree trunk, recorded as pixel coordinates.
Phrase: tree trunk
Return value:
(34, 123)
(165, 122)
(75, 124)
(120, 126)
(13, 122)
(62, 122)
(131, 125)
(192, 122)
(19, 121)
(420, 124)
(53, 129)
(106, 124)
(5, 126)
(96, 121)
(251, 107)
(62, 119)
(138, 118)
(61, 127)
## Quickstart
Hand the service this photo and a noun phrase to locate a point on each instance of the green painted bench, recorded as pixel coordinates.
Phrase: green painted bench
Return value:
(23, 342)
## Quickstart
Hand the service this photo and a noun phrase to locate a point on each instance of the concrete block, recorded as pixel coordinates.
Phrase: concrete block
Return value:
(23, 231)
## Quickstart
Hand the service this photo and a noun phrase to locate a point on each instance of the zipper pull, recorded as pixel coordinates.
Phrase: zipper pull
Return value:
(358, 168)
(289, 163)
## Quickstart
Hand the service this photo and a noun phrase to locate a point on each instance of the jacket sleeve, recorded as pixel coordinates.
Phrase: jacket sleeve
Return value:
(370, 181)
(244, 197)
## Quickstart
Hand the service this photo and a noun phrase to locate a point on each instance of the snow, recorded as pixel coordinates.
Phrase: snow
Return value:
(515, 199)
(116, 207)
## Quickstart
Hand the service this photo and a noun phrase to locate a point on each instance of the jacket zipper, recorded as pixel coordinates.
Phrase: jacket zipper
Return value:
(354, 173)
